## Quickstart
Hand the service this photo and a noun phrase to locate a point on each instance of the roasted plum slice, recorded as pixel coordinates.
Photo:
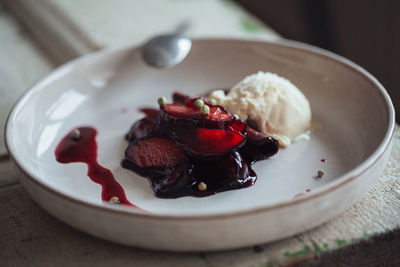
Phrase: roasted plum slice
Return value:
(224, 173)
(238, 125)
(177, 183)
(141, 128)
(179, 98)
(185, 179)
(193, 148)
(153, 155)
(203, 143)
(217, 113)
(177, 115)
(259, 146)
(151, 113)
(144, 127)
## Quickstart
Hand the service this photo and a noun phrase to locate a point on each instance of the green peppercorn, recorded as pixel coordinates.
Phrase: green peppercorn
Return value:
(198, 103)
(205, 109)
(162, 101)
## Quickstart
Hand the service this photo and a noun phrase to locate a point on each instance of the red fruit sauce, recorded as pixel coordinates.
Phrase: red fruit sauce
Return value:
(218, 149)
(84, 149)
(181, 153)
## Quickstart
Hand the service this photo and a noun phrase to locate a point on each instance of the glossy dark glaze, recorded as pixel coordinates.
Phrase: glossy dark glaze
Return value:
(220, 173)
(84, 149)
(227, 174)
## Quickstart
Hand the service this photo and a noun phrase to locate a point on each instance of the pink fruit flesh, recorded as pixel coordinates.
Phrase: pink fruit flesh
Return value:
(157, 152)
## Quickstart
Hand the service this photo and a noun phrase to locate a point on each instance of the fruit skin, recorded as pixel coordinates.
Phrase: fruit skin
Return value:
(215, 148)
(179, 182)
(197, 141)
(179, 98)
(259, 146)
(153, 156)
(226, 173)
(141, 128)
(145, 126)
(207, 144)
(177, 116)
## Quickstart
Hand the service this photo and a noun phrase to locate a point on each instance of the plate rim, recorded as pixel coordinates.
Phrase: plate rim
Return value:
(129, 211)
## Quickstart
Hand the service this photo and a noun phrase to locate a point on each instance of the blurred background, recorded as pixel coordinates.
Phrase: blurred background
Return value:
(36, 36)
(366, 32)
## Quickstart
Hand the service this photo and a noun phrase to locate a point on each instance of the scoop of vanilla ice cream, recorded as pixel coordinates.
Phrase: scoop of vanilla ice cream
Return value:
(275, 105)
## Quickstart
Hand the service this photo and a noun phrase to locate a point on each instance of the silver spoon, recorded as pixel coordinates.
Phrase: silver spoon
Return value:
(167, 50)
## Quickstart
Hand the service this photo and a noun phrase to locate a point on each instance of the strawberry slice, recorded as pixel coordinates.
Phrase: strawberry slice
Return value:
(153, 155)
(259, 146)
(202, 142)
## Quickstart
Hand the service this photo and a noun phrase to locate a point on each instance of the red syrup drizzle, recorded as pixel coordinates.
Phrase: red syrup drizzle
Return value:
(228, 172)
(84, 149)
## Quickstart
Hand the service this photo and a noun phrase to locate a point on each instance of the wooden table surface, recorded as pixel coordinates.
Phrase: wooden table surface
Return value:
(31, 237)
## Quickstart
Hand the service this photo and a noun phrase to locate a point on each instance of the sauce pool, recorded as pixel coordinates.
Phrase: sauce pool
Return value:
(80, 145)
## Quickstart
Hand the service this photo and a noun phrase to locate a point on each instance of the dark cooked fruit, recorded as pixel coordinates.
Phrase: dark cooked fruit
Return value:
(144, 127)
(226, 173)
(192, 148)
(259, 146)
(238, 125)
(176, 115)
(217, 113)
(151, 113)
(179, 98)
(229, 172)
(175, 184)
(153, 155)
(202, 142)
(141, 128)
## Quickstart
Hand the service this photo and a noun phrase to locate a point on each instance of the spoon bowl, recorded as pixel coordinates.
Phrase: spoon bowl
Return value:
(166, 50)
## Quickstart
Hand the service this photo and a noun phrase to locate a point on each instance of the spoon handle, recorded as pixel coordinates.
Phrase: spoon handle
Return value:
(183, 27)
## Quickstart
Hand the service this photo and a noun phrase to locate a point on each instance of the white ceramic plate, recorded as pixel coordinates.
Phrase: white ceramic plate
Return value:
(353, 124)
